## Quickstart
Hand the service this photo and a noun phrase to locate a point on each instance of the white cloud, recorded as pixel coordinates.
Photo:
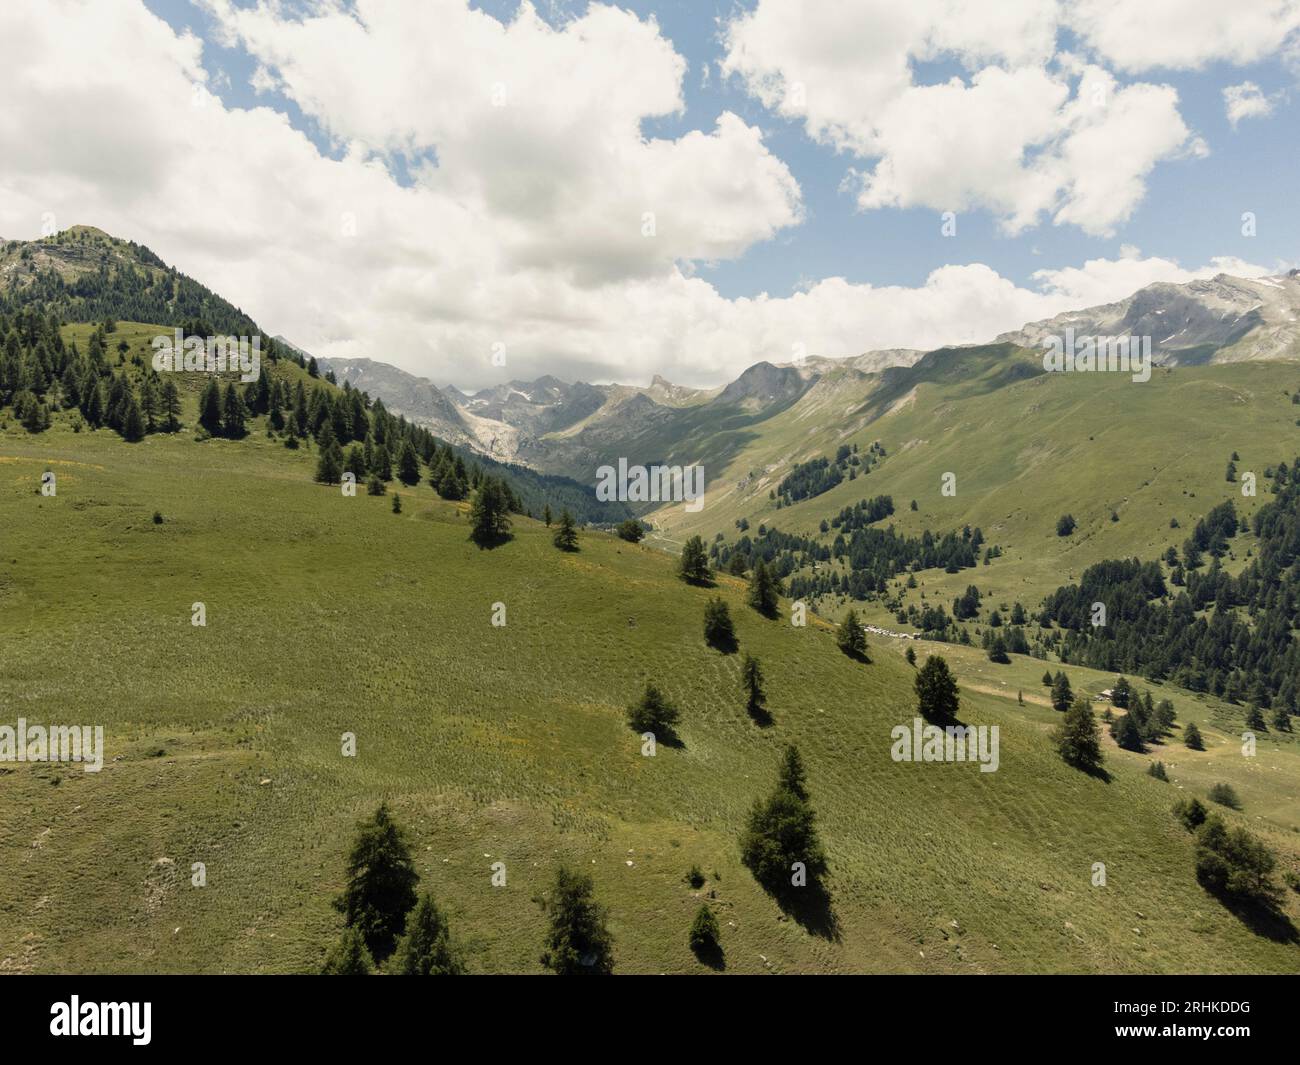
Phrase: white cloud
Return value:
(1183, 34)
(1246, 101)
(1024, 133)
(528, 229)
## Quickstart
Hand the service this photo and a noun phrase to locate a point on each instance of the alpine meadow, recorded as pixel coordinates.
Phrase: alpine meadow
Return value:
(655, 491)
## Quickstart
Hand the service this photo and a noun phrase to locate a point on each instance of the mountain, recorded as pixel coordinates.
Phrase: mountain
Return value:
(1225, 319)
(418, 399)
(83, 274)
(486, 690)
(509, 744)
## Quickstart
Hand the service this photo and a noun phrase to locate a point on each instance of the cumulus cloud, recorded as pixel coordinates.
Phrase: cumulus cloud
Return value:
(447, 217)
(1183, 34)
(1024, 133)
(1246, 100)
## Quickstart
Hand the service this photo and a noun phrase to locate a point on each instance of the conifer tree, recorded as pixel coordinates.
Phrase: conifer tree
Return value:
(132, 421)
(1062, 695)
(1192, 737)
(792, 776)
(408, 465)
(764, 590)
(329, 467)
(349, 956)
(210, 407)
(751, 682)
(232, 414)
(850, 636)
(383, 463)
(566, 535)
(356, 462)
(1127, 732)
(705, 935)
(936, 690)
(694, 564)
(1078, 739)
(577, 941)
(427, 948)
(718, 630)
(653, 713)
(780, 832)
(171, 403)
(381, 879)
(489, 517)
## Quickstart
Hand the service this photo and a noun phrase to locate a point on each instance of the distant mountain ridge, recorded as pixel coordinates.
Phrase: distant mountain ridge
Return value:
(1222, 319)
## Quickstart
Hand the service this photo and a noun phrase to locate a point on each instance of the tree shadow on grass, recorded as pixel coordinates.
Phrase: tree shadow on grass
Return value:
(487, 543)
(760, 716)
(727, 645)
(711, 954)
(810, 907)
(1264, 919)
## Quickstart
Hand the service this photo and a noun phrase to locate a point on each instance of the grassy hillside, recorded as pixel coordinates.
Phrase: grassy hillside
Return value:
(328, 614)
(1024, 450)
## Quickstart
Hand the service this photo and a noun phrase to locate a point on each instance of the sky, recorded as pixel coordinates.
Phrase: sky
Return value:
(479, 192)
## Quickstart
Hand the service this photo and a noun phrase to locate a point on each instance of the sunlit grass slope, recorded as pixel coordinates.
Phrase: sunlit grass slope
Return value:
(328, 615)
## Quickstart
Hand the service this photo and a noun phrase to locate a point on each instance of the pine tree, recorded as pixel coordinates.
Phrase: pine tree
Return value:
(356, 462)
(329, 467)
(780, 832)
(705, 935)
(489, 519)
(349, 956)
(764, 590)
(792, 776)
(936, 690)
(232, 414)
(132, 421)
(1047, 679)
(694, 565)
(851, 638)
(397, 503)
(383, 463)
(631, 530)
(1192, 737)
(653, 713)
(427, 948)
(1078, 739)
(170, 407)
(381, 881)
(1127, 733)
(546, 515)
(719, 632)
(408, 465)
(210, 407)
(751, 681)
(1062, 695)
(566, 535)
(577, 941)
(998, 651)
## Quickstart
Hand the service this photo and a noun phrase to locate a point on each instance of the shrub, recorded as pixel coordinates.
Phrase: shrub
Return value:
(1224, 795)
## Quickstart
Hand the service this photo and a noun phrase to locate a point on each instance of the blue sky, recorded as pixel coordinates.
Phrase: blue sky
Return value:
(1191, 211)
(681, 188)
